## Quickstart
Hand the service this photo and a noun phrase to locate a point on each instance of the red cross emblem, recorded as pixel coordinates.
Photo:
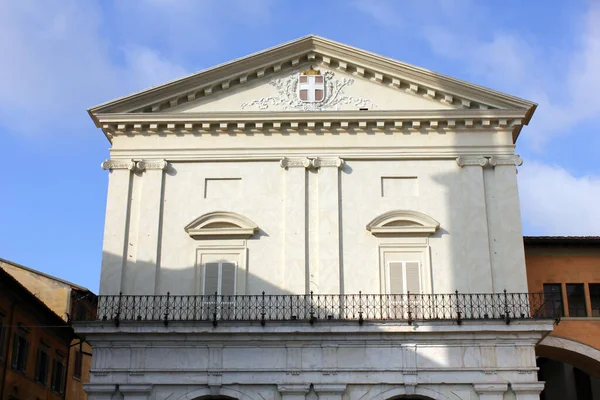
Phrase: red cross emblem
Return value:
(311, 86)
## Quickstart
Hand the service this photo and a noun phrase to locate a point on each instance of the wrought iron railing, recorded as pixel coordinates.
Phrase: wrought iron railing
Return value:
(360, 307)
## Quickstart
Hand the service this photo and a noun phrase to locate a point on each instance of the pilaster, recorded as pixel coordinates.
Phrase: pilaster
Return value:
(135, 392)
(99, 392)
(149, 225)
(477, 254)
(293, 392)
(294, 248)
(509, 272)
(527, 390)
(329, 225)
(330, 391)
(116, 224)
(491, 391)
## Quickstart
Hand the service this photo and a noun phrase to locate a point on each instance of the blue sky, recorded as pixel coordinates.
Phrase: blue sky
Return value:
(61, 57)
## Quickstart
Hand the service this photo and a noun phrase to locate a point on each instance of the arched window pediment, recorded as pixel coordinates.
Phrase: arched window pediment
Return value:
(402, 222)
(221, 224)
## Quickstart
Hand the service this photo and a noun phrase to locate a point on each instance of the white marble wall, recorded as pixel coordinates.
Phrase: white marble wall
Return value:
(478, 247)
(443, 361)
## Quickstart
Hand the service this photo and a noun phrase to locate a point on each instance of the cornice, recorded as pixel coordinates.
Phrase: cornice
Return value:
(314, 50)
(256, 122)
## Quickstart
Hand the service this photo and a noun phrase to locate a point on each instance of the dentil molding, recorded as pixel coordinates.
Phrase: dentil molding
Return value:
(311, 163)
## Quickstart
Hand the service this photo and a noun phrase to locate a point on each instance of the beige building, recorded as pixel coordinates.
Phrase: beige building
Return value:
(314, 221)
(60, 296)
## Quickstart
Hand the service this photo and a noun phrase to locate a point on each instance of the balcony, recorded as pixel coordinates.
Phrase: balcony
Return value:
(313, 308)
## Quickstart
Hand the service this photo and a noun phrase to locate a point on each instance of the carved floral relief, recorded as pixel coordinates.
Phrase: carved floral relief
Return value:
(288, 98)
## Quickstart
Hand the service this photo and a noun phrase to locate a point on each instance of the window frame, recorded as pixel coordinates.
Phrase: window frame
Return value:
(58, 361)
(583, 297)
(418, 245)
(17, 351)
(42, 350)
(3, 333)
(595, 311)
(235, 248)
(560, 296)
(77, 364)
(220, 276)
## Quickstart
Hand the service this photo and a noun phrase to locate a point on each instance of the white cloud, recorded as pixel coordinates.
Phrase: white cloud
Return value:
(554, 202)
(61, 57)
(563, 80)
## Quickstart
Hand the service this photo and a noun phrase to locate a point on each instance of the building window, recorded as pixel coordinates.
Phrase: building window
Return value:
(219, 277)
(19, 353)
(595, 299)
(58, 376)
(576, 299)
(78, 363)
(553, 300)
(42, 367)
(3, 330)
(404, 277)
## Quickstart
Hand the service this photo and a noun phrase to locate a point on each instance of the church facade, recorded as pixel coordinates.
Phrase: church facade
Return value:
(314, 221)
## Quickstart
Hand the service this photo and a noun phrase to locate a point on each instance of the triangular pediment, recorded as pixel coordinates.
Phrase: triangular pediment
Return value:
(382, 75)
(281, 92)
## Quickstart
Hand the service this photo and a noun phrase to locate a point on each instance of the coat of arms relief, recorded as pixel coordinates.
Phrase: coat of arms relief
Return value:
(310, 90)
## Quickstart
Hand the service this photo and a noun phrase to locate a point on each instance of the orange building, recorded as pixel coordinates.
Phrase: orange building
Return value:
(567, 270)
(60, 296)
(34, 345)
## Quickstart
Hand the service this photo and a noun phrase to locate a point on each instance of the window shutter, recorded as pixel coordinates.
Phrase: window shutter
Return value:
(413, 280)
(25, 355)
(38, 365)
(15, 351)
(396, 278)
(228, 279)
(211, 278)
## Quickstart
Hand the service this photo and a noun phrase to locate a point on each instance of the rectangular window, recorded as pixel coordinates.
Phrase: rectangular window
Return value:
(3, 330)
(576, 299)
(219, 277)
(553, 300)
(58, 376)
(595, 299)
(42, 367)
(78, 363)
(20, 353)
(404, 277)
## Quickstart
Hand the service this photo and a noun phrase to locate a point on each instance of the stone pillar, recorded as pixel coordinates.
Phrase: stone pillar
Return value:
(477, 254)
(329, 225)
(491, 391)
(527, 390)
(116, 224)
(293, 391)
(509, 273)
(330, 391)
(99, 392)
(149, 227)
(135, 392)
(294, 248)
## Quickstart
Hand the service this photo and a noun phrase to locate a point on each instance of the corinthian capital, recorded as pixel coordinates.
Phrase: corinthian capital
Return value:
(463, 161)
(509, 160)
